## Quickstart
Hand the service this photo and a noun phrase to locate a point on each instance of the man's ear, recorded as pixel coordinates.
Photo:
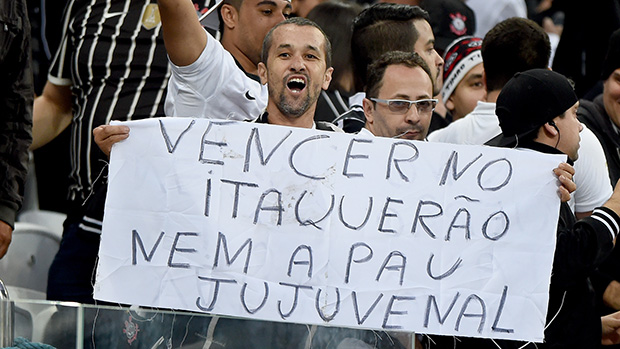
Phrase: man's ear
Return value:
(369, 109)
(328, 78)
(230, 16)
(551, 129)
(262, 73)
(449, 103)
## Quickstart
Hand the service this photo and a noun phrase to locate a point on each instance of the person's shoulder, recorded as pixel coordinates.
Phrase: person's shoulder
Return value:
(591, 114)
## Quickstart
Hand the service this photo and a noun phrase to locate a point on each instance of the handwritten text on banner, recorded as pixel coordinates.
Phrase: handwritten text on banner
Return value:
(298, 225)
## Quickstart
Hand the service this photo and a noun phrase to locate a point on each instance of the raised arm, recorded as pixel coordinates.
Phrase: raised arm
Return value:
(184, 37)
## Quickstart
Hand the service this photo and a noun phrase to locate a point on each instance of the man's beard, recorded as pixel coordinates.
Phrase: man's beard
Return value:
(289, 109)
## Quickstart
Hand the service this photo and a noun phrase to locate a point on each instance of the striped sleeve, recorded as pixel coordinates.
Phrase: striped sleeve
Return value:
(60, 68)
(609, 219)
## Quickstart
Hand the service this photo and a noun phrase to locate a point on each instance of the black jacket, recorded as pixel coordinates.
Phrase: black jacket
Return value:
(593, 115)
(16, 97)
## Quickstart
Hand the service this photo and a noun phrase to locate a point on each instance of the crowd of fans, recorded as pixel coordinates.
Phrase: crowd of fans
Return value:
(452, 71)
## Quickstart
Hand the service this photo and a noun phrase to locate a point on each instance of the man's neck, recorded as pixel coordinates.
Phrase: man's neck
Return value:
(246, 63)
(276, 117)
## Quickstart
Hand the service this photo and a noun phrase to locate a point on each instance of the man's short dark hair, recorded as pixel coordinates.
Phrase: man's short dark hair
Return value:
(512, 46)
(336, 18)
(381, 28)
(376, 70)
(300, 22)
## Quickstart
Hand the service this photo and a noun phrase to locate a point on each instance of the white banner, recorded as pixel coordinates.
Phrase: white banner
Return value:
(298, 225)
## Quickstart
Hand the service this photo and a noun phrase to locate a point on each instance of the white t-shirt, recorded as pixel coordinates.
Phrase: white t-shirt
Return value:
(477, 127)
(591, 175)
(489, 13)
(214, 87)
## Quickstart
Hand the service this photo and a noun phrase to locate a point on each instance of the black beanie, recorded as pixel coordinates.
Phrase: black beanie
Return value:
(529, 100)
(612, 59)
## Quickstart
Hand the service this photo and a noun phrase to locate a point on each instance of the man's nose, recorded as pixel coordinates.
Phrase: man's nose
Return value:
(412, 116)
(297, 64)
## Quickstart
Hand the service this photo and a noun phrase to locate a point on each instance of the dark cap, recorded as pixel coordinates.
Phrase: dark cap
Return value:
(612, 58)
(450, 19)
(529, 100)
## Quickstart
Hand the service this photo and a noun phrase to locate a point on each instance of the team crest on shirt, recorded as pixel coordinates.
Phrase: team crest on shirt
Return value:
(458, 25)
(151, 18)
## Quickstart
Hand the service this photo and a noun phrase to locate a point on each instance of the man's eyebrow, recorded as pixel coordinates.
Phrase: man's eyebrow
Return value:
(475, 76)
(274, 4)
(314, 48)
(284, 46)
(267, 2)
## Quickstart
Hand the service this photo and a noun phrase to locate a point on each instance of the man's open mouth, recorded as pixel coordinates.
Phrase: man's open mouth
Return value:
(296, 84)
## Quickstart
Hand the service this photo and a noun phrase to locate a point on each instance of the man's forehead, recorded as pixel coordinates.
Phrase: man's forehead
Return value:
(291, 35)
(425, 31)
(285, 3)
(395, 72)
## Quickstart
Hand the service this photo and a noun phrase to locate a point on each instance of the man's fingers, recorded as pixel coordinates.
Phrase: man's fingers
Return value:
(106, 135)
(568, 183)
(568, 168)
(564, 194)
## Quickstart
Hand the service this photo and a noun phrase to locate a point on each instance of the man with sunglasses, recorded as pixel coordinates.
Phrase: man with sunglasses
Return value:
(399, 101)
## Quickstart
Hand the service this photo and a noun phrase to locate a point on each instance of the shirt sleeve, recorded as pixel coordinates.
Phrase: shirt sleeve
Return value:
(60, 68)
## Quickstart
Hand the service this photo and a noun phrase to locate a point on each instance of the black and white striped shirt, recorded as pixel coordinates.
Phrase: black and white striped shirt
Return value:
(112, 55)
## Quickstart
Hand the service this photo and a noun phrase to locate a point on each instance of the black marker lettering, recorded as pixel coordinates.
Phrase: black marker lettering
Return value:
(482, 315)
(368, 312)
(172, 148)
(433, 301)
(498, 236)
(327, 318)
(221, 243)
(341, 215)
(294, 150)
(208, 198)
(135, 238)
(204, 142)
(262, 303)
(389, 311)
(307, 262)
(401, 266)
(499, 314)
(420, 217)
(296, 298)
(500, 186)
(216, 291)
(397, 161)
(444, 275)
(304, 222)
(182, 250)
(464, 226)
(361, 260)
(345, 169)
(236, 198)
(386, 214)
(453, 160)
(255, 135)
(277, 207)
